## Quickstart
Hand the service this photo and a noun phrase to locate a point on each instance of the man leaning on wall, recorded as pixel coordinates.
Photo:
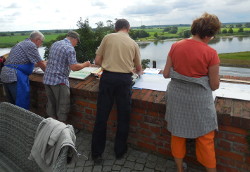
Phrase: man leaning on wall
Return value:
(18, 66)
(119, 56)
(61, 60)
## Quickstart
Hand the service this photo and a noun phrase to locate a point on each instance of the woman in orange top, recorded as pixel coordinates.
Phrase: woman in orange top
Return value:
(193, 67)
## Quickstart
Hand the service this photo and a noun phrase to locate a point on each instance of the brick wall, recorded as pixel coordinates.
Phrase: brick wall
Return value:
(148, 127)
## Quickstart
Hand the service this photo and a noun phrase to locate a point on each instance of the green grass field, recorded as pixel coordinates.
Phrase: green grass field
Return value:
(240, 59)
(9, 41)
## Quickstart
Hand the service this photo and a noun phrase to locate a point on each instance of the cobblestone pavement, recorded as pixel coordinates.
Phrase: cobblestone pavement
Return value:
(134, 160)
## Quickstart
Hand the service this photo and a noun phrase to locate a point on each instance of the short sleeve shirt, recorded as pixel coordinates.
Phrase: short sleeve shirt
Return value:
(22, 53)
(61, 55)
(120, 53)
(192, 58)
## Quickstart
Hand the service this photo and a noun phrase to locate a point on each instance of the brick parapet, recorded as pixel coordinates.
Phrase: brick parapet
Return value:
(148, 127)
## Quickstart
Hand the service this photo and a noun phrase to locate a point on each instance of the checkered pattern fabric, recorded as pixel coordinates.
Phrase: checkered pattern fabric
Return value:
(22, 53)
(190, 109)
(62, 54)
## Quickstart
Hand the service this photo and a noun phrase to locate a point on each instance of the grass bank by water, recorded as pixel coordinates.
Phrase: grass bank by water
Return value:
(10, 41)
(238, 59)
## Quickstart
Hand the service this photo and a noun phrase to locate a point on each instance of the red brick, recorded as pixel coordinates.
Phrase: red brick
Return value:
(236, 138)
(137, 110)
(242, 148)
(155, 129)
(245, 113)
(147, 96)
(224, 145)
(245, 124)
(242, 166)
(133, 123)
(82, 103)
(135, 93)
(248, 159)
(145, 133)
(237, 108)
(227, 162)
(233, 130)
(153, 113)
(88, 111)
(225, 119)
(113, 116)
(223, 168)
(144, 125)
(146, 145)
(166, 138)
(92, 105)
(164, 131)
(137, 117)
(146, 139)
(229, 155)
(77, 114)
(164, 151)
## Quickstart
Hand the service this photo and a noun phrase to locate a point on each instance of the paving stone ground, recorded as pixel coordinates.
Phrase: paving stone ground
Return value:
(133, 161)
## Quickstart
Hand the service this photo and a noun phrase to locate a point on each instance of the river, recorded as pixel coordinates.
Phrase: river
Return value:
(157, 51)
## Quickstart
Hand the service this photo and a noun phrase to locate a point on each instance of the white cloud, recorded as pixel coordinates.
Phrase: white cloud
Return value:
(57, 14)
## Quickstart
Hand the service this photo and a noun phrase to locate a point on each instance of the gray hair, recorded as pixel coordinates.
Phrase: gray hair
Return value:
(36, 35)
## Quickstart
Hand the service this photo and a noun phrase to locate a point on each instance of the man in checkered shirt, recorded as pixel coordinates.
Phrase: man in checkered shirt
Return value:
(62, 59)
(18, 66)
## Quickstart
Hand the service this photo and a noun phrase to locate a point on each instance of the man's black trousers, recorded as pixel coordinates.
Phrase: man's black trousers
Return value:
(114, 87)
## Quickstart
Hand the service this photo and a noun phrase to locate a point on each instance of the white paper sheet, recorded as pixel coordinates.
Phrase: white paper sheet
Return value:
(152, 70)
(152, 81)
(234, 91)
(227, 90)
(81, 74)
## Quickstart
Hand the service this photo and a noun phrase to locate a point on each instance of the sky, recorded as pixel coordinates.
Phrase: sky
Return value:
(23, 15)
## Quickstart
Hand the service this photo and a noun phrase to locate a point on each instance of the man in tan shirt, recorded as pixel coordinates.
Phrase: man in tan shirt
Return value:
(119, 56)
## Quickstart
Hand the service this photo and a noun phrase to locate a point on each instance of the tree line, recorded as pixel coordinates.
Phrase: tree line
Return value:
(92, 37)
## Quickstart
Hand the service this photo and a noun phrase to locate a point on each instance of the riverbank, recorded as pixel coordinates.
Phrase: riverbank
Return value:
(238, 59)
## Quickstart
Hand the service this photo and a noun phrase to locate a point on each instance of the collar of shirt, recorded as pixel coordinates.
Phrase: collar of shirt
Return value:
(126, 33)
(68, 41)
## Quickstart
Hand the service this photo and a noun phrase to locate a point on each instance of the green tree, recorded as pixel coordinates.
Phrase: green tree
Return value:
(238, 25)
(156, 35)
(145, 63)
(247, 25)
(166, 29)
(90, 40)
(173, 30)
(135, 34)
(230, 30)
(109, 23)
(142, 34)
(3, 34)
(224, 31)
(143, 27)
(132, 34)
(186, 33)
(241, 29)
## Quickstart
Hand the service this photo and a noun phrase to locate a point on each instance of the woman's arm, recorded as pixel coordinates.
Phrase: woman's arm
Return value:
(214, 77)
(167, 67)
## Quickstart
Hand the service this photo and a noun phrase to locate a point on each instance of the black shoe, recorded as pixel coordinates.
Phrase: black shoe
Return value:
(97, 159)
(120, 155)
